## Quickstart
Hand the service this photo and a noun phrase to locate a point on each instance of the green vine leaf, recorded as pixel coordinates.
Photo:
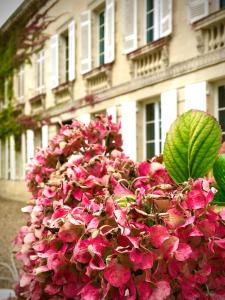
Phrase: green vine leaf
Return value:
(219, 172)
(192, 145)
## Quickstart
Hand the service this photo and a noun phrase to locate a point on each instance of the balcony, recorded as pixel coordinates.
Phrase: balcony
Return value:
(211, 32)
(98, 79)
(149, 59)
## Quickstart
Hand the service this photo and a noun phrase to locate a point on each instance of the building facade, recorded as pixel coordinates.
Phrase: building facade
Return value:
(142, 61)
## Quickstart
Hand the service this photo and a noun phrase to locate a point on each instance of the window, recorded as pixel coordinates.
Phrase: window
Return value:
(152, 129)
(222, 4)
(145, 21)
(101, 38)
(97, 42)
(40, 71)
(149, 20)
(64, 57)
(20, 83)
(221, 109)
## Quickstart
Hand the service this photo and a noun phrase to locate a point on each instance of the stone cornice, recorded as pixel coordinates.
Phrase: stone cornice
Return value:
(173, 71)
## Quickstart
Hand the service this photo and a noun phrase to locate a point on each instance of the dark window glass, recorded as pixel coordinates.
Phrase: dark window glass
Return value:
(101, 37)
(222, 3)
(150, 112)
(222, 119)
(150, 150)
(150, 21)
(221, 96)
(150, 131)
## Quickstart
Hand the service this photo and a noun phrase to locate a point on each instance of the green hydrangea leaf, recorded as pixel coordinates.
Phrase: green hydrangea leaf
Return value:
(192, 145)
(219, 172)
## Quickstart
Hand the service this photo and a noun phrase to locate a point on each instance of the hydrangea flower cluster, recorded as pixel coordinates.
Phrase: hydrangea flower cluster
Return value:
(101, 226)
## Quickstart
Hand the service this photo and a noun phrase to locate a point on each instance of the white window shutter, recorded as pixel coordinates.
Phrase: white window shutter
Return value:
(111, 111)
(54, 61)
(71, 30)
(85, 40)
(168, 111)
(6, 158)
(30, 144)
(129, 19)
(109, 31)
(166, 12)
(196, 96)
(44, 136)
(23, 156)
(198, 9)
(128, 128)
(12, 158)
(85, 118)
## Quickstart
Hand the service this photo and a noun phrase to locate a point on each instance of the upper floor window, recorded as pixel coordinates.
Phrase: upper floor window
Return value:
(101, 38)
(63, 56)
(20, 83)
(152, 129)
(40, 71)
(222, 4)
(149, 20)
(97, 44)
(157, 22)
(199, 9)
(221, 109)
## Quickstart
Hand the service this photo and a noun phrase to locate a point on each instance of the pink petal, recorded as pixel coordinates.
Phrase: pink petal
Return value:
(158, 234)
(183, 252)
(162, 291)
(196, 199)
(117, 275)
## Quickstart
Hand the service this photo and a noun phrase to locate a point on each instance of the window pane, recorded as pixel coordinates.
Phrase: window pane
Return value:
(150, 20)
(150, 36)
(150, 131)
(150, 150)
(149, 5)
(101, 32)
(222, 119)
(222, 3)
(150, 113)
(101, 59)
(223, 137)
(221, 96)
(101, 46)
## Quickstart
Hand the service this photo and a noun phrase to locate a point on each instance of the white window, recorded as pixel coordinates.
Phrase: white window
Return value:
(100, 49)
(40, 71)
(20, 83)
(145, 21)
(221, 109)
(199, 9)
(152, 128)
(101, 34)
(63, 56)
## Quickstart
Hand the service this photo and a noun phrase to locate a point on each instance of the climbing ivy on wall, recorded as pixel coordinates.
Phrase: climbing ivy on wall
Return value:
(17, 43)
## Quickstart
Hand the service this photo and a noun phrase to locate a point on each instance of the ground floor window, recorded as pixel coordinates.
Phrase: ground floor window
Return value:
(152, 129)
(221, 108)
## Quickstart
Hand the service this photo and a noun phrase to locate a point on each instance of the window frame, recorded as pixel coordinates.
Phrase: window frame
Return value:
(21, 83)
(157, 128)
(216, 102)
(40, 73)
(102, 11)
(156, 21)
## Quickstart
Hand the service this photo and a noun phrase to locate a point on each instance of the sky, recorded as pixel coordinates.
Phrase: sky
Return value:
(7, 7)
